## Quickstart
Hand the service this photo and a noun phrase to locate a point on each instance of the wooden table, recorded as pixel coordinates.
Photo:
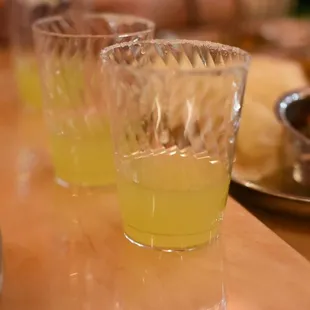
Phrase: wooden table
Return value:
(64, 251)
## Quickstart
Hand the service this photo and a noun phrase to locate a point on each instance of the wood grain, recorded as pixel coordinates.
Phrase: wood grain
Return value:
(67, 251)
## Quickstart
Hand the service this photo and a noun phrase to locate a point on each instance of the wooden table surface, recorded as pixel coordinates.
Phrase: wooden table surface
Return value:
(64, 251)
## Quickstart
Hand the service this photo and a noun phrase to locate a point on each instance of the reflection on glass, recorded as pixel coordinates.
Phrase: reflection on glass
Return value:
(22, 14)
(175, 108)
(68, 51)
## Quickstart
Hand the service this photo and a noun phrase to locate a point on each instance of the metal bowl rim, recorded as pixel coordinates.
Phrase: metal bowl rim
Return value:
(267, 191)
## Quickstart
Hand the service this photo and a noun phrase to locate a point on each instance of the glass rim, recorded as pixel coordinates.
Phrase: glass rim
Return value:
(50, 19)
(241, 64)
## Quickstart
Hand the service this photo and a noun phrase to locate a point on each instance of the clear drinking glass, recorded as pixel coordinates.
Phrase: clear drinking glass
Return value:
(74, 99)
(22, 14)
(175, 109)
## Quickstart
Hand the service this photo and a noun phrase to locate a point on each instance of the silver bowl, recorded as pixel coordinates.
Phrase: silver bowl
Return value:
(293, 110)
(286, 190)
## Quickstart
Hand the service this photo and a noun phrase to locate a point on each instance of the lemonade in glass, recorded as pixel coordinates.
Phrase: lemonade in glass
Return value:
(74, 91)
(22, 15)
(84, 155)
(172, 200)
(28, 80)
(175, 108)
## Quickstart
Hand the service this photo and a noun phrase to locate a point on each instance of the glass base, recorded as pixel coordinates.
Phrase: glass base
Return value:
(66, 184)
(62, 183)
(220, 306)
(173, 249)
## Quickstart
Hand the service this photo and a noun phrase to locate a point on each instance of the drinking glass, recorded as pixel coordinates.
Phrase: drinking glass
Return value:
(22, 15)
(175, 108)
(74, 99)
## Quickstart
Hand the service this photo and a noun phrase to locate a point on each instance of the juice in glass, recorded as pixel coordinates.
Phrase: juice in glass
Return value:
(175, 109)
(84, 156)
(28, 80)
(68, 48)
(80, 138)
(172, 201)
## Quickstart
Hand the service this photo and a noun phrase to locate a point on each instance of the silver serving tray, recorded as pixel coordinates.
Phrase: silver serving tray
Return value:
(277, 192)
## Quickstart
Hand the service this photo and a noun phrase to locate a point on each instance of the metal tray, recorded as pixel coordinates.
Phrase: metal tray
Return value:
(277, 192)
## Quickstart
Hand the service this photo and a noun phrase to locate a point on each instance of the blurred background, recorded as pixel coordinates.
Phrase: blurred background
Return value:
(256, 25)
(175, 14)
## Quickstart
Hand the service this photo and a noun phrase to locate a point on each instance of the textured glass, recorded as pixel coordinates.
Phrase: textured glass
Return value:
(74, 105)
(175, 109)
(22, 14)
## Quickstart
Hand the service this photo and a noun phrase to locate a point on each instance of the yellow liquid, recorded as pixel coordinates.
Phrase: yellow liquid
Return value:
(28, 81)
(84, 156)
(172, 202)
